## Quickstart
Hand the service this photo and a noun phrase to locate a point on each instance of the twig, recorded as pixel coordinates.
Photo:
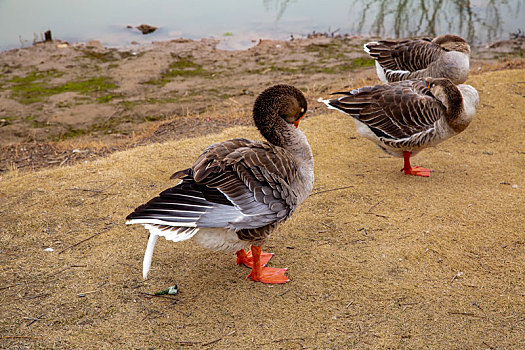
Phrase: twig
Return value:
(361, 229)
(181, 342)
(9, 286)
(34, 320)
(181, 312)
(465, 314)
(212, 342)
(286, 339)
(17, 337)
(37, 296)
(59, 271)
(82, 241)
(102, 284)
(158, 296)
(83, 189)
(331, 189)
(456, 276)
(284, 292)
(369, 211)
(168, 297)
(489, 346)
(378, 215)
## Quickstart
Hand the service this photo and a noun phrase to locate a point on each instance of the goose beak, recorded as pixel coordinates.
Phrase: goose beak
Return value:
(429, 82)
(296, 123)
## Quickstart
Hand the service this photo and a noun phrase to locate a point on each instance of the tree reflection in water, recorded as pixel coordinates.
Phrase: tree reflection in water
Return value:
(477, 21)
(280, 6)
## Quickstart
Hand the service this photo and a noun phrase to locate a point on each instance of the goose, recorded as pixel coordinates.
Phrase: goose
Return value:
(446, 56)
(239, 191)
(402, 118)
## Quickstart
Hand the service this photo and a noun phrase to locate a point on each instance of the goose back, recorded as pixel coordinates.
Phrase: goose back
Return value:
(407, 115)
(446, 56)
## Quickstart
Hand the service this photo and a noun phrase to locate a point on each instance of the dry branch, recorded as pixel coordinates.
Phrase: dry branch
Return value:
(332, 189)
(82, 241)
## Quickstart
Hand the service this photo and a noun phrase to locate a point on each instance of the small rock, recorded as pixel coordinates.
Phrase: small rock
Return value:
(146, 28)
(49, 250)
(94, 43)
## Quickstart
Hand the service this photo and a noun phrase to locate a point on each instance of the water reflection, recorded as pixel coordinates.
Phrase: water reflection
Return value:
(278, 5)
(477, 21)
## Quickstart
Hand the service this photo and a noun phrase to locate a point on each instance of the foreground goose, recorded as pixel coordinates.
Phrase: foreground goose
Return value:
(446, 56)
(238, 191)
(404, 117)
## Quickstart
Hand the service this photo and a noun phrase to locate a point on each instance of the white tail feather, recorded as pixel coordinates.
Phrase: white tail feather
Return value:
(381, 73)
(365, 47)
(160, 222)
(327, 103)
(174, 233)
(148, 255)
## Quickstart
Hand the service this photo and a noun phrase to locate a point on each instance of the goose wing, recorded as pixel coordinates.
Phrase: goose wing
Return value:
(406, 55)
(237, 184)
(394, 111)
(260, 179)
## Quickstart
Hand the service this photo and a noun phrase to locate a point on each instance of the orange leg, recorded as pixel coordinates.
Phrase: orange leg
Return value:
(409, 170)
(247, 258)
(265, 274)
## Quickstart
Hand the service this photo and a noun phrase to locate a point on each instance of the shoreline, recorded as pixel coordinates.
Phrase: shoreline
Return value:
(504, 45)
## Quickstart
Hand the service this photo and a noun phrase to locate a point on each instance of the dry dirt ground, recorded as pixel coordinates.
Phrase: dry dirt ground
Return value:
(377, 260)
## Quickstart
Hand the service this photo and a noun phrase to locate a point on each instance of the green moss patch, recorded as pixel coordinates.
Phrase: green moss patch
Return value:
(182, 67)
(36, 87)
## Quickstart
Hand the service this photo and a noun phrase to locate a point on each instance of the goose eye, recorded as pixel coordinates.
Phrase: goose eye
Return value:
(302, 110)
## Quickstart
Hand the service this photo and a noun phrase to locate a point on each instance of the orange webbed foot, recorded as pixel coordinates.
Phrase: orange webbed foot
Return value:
(418, 171)
(261, 273)
(271, 275)
(247, 258)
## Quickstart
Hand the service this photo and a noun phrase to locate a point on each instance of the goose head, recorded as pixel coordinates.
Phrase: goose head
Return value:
(277, 112)
(451, 42)
(445, 91)
(460, 101)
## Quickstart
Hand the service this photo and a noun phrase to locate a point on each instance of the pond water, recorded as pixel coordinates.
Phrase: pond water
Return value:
(238, 23)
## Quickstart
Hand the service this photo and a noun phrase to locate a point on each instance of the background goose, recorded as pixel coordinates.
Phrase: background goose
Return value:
(446, 56)
(238, 191)
(404, 117)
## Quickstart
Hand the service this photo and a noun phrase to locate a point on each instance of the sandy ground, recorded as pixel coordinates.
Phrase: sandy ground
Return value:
(377, 260)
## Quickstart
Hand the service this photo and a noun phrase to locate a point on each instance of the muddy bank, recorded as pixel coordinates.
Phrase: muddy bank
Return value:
(61, 103)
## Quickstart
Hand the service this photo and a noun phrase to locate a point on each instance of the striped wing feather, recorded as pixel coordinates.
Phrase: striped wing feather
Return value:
(407, 55)
(238, 184)
(394, 111)
(259, 176)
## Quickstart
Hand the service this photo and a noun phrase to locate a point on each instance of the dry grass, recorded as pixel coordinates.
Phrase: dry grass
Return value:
(388, 261)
